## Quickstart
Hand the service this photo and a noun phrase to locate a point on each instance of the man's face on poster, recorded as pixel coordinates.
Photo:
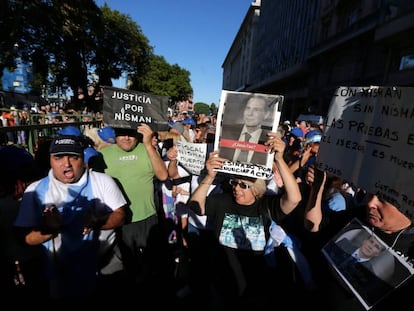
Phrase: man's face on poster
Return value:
(371, 247)
(255, 112)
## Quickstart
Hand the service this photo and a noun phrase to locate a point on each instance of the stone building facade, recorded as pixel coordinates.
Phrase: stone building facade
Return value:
(305, 49)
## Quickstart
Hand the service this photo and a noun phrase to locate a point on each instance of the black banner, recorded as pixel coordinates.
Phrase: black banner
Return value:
(124, 108)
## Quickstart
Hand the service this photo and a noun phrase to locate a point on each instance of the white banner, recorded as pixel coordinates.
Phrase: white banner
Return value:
(192, 156)
(369, 141)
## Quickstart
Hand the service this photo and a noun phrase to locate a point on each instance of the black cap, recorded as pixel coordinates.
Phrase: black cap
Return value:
(66, 144)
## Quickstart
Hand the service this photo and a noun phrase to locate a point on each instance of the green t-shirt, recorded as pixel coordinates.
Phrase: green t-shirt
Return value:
(135, 173)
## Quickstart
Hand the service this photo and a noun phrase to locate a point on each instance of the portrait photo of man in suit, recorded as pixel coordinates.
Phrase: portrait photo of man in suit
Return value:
(356, 259)
(241, 138)
(363, 253)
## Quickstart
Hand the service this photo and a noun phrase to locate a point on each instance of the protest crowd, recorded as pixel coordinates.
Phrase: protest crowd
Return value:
(112, 213)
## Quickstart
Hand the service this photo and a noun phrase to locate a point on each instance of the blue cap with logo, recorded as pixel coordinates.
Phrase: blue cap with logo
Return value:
(66, 145)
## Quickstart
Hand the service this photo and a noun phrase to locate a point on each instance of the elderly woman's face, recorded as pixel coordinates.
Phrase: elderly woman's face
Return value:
(243, 191)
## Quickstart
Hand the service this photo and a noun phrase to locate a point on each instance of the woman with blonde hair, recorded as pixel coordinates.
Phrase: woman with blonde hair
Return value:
(240, 221)
(164, 135)
(178, 128)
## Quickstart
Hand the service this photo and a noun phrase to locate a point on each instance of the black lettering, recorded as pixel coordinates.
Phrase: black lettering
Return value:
(410, 140)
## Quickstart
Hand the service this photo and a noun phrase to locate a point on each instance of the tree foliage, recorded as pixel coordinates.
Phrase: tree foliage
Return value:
(205, 108)
(201, 108)
(214, 108)
(122, 47)
(163, 79)
(69, 41)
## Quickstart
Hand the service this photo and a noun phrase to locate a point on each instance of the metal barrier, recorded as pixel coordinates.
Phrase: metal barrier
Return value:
(45, 130)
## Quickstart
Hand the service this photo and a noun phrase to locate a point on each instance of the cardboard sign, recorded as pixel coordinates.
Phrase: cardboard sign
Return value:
(369, 141)
(192, 156)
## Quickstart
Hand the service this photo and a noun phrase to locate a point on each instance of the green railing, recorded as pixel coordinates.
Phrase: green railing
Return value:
(34, 131)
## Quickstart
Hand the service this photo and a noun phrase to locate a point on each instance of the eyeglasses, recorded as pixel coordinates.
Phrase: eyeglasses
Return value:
(241, 184)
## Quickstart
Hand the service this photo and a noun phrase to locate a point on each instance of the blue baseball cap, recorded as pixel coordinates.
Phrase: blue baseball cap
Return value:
(70, 130)
(188, 121)
(107, 134)
(178, 126)
(297, 132)
(313, 136)
(88, 153)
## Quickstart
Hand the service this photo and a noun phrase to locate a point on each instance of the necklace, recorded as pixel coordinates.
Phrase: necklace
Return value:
(396, 238)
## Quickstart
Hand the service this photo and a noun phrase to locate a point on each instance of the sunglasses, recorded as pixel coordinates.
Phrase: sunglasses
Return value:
(241, 184)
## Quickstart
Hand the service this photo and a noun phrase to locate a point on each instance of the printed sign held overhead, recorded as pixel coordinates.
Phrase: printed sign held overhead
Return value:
(127, 109)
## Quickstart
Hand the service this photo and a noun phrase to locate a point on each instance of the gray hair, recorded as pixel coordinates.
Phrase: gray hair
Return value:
(258, 187)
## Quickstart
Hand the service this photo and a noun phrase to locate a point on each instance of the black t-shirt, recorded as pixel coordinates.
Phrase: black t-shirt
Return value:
(242, 232)
(218, 206)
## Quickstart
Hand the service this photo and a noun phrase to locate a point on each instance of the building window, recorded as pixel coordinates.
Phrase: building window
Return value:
(352, 17)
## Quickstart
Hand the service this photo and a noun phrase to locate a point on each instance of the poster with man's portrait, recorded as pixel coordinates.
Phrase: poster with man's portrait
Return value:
(365, 264)
(243, 121)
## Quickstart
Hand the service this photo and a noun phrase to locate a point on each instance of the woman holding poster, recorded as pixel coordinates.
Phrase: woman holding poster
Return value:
(241, 221)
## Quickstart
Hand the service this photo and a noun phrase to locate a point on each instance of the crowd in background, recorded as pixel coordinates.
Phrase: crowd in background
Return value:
(53, 113)
(167, 250)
